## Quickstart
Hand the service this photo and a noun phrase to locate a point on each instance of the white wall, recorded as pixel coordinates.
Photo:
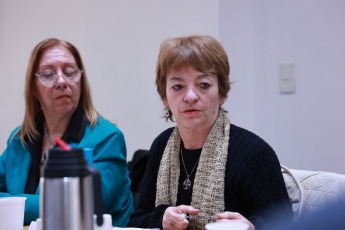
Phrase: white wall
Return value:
(121, 49)
(307, 128)
(119, 42)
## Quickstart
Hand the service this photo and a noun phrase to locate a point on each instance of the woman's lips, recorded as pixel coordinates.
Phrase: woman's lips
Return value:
(191, 111)
(62, 96)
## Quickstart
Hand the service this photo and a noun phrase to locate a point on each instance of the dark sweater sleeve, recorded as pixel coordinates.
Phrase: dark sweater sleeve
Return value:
(267, 195)
(146, 215)
(257, 189)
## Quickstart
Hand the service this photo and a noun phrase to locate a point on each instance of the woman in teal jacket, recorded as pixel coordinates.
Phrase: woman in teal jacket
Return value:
(58, 104)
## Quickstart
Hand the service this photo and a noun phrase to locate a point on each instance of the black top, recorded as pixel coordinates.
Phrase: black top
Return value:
(190, 157)
(74, 132)
(254, 185)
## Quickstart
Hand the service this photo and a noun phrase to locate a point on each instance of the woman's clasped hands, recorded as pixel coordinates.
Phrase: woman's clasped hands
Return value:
(175, 217)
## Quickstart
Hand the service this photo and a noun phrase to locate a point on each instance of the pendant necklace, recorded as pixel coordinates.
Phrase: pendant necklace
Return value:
(187, 183)
(47, 136)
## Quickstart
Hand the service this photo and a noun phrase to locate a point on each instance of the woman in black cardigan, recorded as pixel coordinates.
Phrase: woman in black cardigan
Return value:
(205, 168)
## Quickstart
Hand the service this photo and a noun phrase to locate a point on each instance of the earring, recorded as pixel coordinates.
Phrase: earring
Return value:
(167, 113)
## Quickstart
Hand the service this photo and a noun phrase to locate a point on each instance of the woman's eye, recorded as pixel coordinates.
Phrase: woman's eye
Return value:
(204, 85)
(177, 87)
(69, 72)
(48, 74)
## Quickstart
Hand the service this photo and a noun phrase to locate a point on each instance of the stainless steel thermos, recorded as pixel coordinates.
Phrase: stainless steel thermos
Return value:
(70, 191)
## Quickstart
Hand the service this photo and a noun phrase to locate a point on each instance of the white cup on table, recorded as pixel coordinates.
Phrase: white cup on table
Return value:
(107, 223)
(229, 225)
(39, 224)
(12, 212)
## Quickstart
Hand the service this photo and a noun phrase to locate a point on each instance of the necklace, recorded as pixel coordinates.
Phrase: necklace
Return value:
(187, 183)
(47, 136)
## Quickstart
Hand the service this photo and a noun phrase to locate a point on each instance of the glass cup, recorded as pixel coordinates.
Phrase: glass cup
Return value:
(12, 212)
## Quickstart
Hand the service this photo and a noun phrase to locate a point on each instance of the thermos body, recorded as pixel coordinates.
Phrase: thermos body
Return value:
(69, 189)
(67, 203)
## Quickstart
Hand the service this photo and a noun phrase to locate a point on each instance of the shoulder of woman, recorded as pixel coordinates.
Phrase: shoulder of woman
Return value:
(240, 134)
(247, 141)
(159, 143)
(104, 127)
(14, 138)
(15, 134)
(15, 131)
(163, 137)
(247, 150)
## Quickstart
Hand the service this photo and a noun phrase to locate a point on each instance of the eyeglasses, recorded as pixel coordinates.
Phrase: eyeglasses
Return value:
(49, 77)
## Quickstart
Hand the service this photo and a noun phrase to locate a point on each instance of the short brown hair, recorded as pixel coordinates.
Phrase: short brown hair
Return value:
(203, 53)
(32, 107)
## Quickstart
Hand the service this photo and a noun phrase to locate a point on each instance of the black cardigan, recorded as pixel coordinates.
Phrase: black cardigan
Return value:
(254, 185)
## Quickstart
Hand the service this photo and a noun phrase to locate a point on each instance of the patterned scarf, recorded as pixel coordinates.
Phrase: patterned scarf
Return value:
(208, 188)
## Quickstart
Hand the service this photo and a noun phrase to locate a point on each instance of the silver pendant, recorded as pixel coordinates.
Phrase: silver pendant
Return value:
(186, 184)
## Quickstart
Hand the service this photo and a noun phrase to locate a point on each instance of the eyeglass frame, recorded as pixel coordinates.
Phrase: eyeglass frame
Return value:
(63, 75)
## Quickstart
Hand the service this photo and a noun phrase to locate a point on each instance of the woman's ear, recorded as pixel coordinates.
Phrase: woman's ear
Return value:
(165, 102)
(222, 100)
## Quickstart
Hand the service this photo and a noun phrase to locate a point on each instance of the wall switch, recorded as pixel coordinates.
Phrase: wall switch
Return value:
(287, 78)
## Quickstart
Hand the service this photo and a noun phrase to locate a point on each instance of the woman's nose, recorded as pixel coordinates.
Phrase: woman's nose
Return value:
(60, 80)
(191, 96)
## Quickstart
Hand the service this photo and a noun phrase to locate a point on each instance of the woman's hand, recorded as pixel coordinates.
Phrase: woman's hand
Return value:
(173, 218)
(234, 216)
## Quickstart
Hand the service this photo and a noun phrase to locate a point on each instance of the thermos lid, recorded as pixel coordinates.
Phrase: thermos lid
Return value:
(65, 163)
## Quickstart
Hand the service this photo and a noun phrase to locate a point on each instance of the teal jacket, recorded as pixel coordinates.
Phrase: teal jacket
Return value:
(109, 157)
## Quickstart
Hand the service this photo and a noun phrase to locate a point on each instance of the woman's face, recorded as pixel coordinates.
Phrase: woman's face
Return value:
(62, 98)
(193, 98)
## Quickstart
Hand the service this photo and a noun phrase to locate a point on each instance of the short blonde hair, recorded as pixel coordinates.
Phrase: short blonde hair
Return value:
(32, 106)
(203, 53)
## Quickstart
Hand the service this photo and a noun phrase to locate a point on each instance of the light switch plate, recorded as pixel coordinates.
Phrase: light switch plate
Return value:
(287, 78)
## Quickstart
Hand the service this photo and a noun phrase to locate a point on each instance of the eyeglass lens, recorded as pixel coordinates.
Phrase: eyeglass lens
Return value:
(48, 77)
